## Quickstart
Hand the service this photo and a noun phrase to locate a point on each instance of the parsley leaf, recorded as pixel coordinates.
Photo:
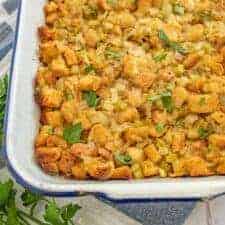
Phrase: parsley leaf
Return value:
(171, 44)
(153, 98)
(178, 9)
(3, 96)
(111, 54)
(69, 211)
(202, 101)
(52, 214)
(203, 132)
(91, 98)
(89, 68)
(12, 216)
(72, 133)
(5, 191)
(123, 159)
(90, 12)
(166, 98)
(30, 198)
(159, 127)
(160, 57)
(112, 2)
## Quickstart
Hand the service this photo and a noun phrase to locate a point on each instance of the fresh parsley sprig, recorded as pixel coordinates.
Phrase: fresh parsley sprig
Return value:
(11, 214)
(3, 95)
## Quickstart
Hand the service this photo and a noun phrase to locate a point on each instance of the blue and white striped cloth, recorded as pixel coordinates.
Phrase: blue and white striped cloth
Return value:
(146, 213)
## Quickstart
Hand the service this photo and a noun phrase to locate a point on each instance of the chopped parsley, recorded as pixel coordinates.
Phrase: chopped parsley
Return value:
(12, 214)
(171, 44)
(202, 101)
(153, 98)
(90, 12)
(159, 127)
(166, 98)
(123, 159)
(178, 9)
(203, 132)
(89, 68)
(3, 96)
(160, 57)
(91, 98)
(112, 2)
(112, 54)
(72, 133)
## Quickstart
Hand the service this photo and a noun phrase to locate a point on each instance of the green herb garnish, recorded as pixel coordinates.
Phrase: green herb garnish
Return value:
(3, 96)
(202, 101)
(112, 2)
(203, 132)
(178, 9)
(160, 57)
(89, 69)
(72, 133)
(123, 159)
(91, 98)
(166, 98)
(171, 44)
(111, 54)
(90, 12)
(159, 127)
(205, 15)
(153, 98)
(11, 214)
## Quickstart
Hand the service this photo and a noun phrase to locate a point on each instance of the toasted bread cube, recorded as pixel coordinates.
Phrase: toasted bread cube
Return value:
(99, 170)
(191, 60)
(59, 67)
(70, 57)
(203, 103)
(136, 154)
(129, 114)
(91, 38)
(68, 110)
(219, 117)
(56, 141)
(50, 97)
(51, 18)
(48, 51)
(41, 139)
(90, 82)
(45, 33)
(53, 118)
(136, 134)
(195, 32)
(48, 154)
(66, 163)
(137, 171)
(50, 7)
(180, 96)
(50, 167)
(123, 172)
(152, 153)
(99, 134)
(178, 142)
(197, 166)
(149, 169)
(221, 166)
(217, 140)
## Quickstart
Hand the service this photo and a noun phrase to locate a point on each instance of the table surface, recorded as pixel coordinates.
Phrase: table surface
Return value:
(101, 211)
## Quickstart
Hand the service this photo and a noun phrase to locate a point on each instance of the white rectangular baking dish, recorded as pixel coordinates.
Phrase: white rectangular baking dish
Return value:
(21, 125)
